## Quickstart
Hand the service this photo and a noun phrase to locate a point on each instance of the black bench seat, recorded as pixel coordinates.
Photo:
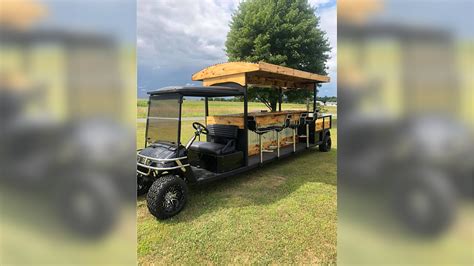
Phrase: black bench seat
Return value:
(221, 140)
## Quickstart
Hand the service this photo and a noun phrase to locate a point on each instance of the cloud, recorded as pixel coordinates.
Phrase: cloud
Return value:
(177, 37)
(182, 32)
(329, 24)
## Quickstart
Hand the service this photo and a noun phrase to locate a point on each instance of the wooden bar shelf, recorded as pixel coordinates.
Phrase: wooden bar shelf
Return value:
(265, 119)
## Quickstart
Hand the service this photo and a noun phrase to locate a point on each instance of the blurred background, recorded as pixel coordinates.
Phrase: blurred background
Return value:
(67, 145)
(406, 143)
(67, 140)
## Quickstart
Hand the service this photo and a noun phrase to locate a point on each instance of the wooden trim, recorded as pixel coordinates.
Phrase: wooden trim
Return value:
(254, 148)
(272, 82)
(236, 78)
(292, 72)
(262, 119)
(226, 120)
(283, 74)
(319, 124)
(225, 69)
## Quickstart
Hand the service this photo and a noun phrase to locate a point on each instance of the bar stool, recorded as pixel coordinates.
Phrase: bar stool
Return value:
(293, 124)
(280, 128)
(252, 125)
(306, 120)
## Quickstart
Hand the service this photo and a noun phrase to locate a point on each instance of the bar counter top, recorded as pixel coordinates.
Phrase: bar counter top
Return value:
(257, 114)
(262, 118)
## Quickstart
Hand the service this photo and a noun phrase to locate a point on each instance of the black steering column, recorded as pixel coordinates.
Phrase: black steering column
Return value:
(200, 129)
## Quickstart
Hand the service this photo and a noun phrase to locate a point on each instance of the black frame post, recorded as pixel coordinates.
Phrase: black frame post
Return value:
(246, 133)
(179, 119)
(279, 98)
(146, 125)
(206, 108)
(315, 95)
(206, 112)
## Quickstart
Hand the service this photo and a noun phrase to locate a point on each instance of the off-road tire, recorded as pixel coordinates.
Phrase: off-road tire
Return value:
(103, 208)
(143, 185)
(326, 145)
(156, 196)
(435, 187)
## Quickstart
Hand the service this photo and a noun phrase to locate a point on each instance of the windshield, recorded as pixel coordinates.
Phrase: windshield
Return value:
(163, 118)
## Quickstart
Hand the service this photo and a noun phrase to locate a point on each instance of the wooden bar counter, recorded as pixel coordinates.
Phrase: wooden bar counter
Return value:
(265, 119)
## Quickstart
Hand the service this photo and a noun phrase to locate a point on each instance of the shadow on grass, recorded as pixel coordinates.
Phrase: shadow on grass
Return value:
(263, 186)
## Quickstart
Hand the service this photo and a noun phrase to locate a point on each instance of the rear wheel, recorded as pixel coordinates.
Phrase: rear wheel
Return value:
(326, 145)
(167, 196)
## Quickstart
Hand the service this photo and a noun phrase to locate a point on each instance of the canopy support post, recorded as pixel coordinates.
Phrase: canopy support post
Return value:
(314, 98)
(246, 134)
(146, 126)
(279, 98)
(206, 112)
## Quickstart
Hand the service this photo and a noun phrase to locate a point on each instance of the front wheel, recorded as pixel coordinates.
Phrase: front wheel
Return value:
(88, 204)
(167, 196)
(425, 201)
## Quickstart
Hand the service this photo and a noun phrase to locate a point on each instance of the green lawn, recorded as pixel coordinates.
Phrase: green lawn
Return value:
(196, 108)
(285, 212)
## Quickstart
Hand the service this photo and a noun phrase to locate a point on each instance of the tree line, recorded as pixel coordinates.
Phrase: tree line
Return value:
(323, 99)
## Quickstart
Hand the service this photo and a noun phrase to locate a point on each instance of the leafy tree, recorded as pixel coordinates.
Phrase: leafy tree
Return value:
(281, 32)
(327, 99)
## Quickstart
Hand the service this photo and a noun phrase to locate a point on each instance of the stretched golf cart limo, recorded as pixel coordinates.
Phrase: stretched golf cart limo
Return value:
(233, 143)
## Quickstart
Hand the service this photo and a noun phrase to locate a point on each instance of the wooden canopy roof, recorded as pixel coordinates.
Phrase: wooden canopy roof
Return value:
(258, 74)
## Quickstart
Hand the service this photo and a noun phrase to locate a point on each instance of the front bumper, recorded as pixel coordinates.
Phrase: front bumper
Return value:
(146, 165)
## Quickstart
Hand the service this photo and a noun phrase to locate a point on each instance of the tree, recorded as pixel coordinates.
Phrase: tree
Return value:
(281, 32)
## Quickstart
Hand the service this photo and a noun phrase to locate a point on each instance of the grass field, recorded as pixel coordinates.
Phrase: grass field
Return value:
(285, 212)
(196, 108)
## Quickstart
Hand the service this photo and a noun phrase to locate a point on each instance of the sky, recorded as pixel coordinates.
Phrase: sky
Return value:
(115, 18)
(176, 38)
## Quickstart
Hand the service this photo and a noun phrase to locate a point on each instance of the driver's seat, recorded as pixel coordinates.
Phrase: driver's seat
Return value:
(221, 139)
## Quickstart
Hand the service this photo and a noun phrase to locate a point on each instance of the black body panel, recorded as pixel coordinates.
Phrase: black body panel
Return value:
(216, 163)
(161, 150)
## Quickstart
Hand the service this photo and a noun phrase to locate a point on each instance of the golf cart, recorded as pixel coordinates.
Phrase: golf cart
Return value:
(235, 143)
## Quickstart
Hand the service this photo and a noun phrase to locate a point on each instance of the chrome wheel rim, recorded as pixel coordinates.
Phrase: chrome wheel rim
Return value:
(172, 199)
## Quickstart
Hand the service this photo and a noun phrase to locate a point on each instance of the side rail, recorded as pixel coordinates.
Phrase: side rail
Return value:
(325, 119)
(161, 164)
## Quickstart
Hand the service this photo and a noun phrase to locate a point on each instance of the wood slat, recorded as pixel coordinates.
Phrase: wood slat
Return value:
(262, 73)
(254, 148)
(275, 82)
(225, 69)
(226, 120)
(262, 119)
(292, 72)
(319, 124)
(237, 78)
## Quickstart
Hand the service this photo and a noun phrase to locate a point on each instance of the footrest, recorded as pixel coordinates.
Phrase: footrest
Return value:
(302, 136)
(267, 150)
(272, 147)
(289, 142)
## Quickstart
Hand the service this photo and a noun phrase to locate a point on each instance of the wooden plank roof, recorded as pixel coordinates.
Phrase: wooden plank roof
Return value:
(258, 74)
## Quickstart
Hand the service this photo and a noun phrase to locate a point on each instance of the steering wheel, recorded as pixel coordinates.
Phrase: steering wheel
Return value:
(200, 128)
